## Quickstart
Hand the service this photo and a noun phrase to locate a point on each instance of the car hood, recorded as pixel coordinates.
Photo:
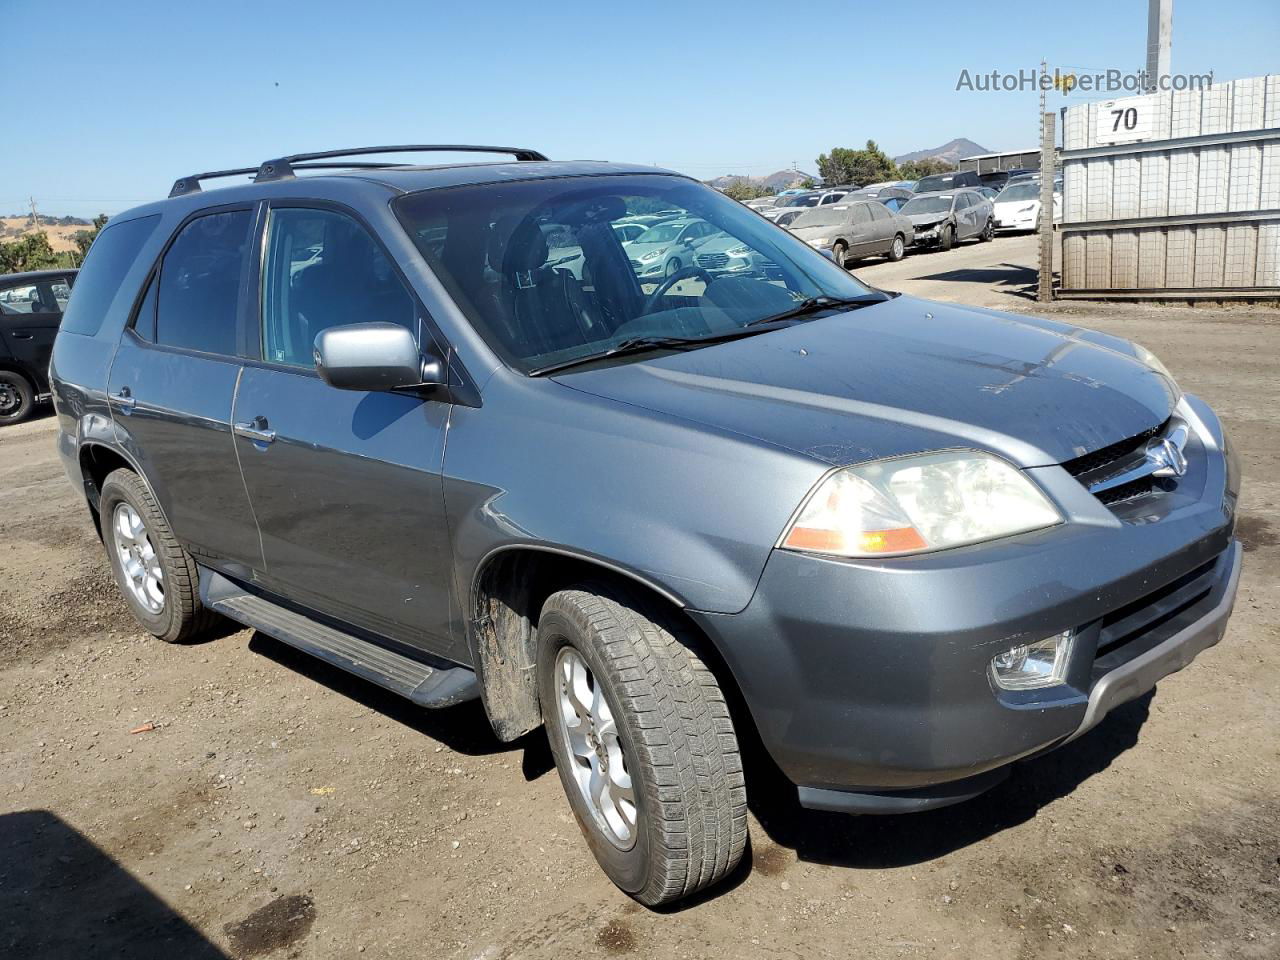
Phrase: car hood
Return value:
(919, 219)
(1005, 207)
(904, 376)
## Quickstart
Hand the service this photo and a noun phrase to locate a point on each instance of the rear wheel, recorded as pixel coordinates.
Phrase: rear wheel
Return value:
(158, 578)
(839, 253)
(898, 248)
(17, 398)
(643, 743)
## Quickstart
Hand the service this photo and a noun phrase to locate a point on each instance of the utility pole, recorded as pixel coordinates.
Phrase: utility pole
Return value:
(1159, 42)
(35, 217)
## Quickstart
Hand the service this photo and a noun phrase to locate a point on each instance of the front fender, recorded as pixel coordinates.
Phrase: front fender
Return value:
(690, 510)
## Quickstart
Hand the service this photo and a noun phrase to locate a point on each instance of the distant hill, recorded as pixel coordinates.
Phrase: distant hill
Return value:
(951, 151)
(782, 180)
(61, 235)
(52, 221)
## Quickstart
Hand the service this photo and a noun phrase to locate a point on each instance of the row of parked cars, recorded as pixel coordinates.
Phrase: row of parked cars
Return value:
(886, 219)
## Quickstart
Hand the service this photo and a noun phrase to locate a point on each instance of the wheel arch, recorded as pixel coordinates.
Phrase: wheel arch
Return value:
(97, 461)
(506, 595)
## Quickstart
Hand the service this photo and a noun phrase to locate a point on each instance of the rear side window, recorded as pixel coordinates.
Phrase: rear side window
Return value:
(104, 270)
(199, 290)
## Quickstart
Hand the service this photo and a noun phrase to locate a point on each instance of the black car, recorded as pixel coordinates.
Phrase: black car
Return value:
(955, 180)
(31, 306)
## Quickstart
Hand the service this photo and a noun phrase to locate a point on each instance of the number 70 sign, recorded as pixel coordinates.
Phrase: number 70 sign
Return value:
(1123, 121)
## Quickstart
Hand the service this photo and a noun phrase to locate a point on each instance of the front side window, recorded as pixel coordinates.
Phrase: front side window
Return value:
(322, 270)
(539, 306)
(198, 292)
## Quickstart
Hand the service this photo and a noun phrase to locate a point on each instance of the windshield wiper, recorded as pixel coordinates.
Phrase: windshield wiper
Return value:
(816, 305)
(645, 344)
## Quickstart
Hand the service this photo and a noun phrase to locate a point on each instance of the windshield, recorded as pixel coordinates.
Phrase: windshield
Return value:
(829, 216)
(928, 205)
(1020, 191)
(810, 201)
(537, 307)
(663, 233)
(938, 182)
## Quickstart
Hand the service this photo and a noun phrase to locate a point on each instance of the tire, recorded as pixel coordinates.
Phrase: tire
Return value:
(947, 239)
(673, 266)
(839, 253)
(988, 232)
(17, 398)
(179, 614)
(897, 249)
(664, 725)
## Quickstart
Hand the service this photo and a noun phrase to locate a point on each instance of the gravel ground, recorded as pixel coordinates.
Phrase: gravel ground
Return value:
(273, 807)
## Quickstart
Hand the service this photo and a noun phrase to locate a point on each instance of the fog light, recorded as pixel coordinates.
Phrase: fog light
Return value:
(1033, 665)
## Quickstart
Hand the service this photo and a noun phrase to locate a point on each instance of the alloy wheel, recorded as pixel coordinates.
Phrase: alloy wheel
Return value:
(599, 765)
(143, 574)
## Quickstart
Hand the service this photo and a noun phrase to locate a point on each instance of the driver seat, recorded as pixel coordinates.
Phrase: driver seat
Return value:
(547, 308)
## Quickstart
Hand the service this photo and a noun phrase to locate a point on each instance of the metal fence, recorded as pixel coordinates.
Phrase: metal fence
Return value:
(1174, 194)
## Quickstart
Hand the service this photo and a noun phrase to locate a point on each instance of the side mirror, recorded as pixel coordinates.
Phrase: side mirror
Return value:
(373, 356)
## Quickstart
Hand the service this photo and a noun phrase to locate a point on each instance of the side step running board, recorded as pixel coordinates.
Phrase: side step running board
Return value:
(425, 685)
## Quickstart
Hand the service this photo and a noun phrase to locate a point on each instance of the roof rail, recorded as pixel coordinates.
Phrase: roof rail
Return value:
(282, 168)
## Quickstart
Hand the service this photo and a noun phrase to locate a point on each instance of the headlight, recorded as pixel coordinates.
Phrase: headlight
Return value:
(918, 504)
(1028, 208)
(651, 255)
(742, 251)
(819, 241)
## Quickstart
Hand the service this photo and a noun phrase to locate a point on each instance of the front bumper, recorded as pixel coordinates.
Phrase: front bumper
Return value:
(869, 681)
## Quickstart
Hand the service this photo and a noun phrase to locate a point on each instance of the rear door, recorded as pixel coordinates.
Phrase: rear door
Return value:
(30, 313)
(173, 381)
(882, 227)
(346, 485)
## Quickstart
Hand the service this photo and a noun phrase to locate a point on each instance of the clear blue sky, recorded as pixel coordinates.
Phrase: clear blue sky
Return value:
(108, 101)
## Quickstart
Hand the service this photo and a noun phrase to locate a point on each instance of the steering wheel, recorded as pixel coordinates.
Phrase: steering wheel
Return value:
(652, 300)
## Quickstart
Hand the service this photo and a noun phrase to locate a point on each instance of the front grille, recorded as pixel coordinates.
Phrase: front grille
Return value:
(1105, 456)
(712, 261)
(1138, 626)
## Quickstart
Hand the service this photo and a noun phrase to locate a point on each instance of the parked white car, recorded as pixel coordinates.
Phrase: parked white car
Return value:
(668, 247)
(1017, 206)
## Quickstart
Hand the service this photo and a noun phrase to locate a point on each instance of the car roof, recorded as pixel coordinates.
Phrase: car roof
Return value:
(32, 275)
(400, 180)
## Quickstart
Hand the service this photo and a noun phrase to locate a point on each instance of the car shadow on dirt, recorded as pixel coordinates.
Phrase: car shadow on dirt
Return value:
(1024, 280)
(464, 729)
(876, 842)
(65, 899)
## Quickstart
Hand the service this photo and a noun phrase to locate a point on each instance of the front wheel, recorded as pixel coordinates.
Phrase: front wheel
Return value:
(643, 742)
(674, 266)
(897, 249)
(839, 253)
(947, 239)
(17, 398)
(988, 231)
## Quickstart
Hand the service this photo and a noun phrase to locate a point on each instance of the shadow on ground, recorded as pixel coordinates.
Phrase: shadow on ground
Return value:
(64, 899)
(1022, 279)
(871, 842)
(464, 728)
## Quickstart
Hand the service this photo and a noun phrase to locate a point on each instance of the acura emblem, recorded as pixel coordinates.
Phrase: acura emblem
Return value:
(1166, 456)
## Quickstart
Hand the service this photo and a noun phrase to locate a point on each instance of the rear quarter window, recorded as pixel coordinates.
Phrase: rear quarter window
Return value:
(105, 266)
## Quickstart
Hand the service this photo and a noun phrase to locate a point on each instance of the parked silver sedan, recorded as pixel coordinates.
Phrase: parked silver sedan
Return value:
(853, 230)
(944, 219)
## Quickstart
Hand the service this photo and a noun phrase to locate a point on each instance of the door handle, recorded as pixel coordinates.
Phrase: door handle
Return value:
(125, 399)
(22, 336)
(255, 430)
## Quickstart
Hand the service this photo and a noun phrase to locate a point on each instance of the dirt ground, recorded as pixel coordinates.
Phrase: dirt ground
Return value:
(282, 809)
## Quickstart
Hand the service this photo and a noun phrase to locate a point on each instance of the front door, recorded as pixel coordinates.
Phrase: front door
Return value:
(172, 386)
(346, 485)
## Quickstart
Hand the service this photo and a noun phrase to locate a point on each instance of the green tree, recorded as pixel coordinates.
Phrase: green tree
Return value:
(868, 165)
(927, 167)
(84, 238)
(743, 189)
(29, 252)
